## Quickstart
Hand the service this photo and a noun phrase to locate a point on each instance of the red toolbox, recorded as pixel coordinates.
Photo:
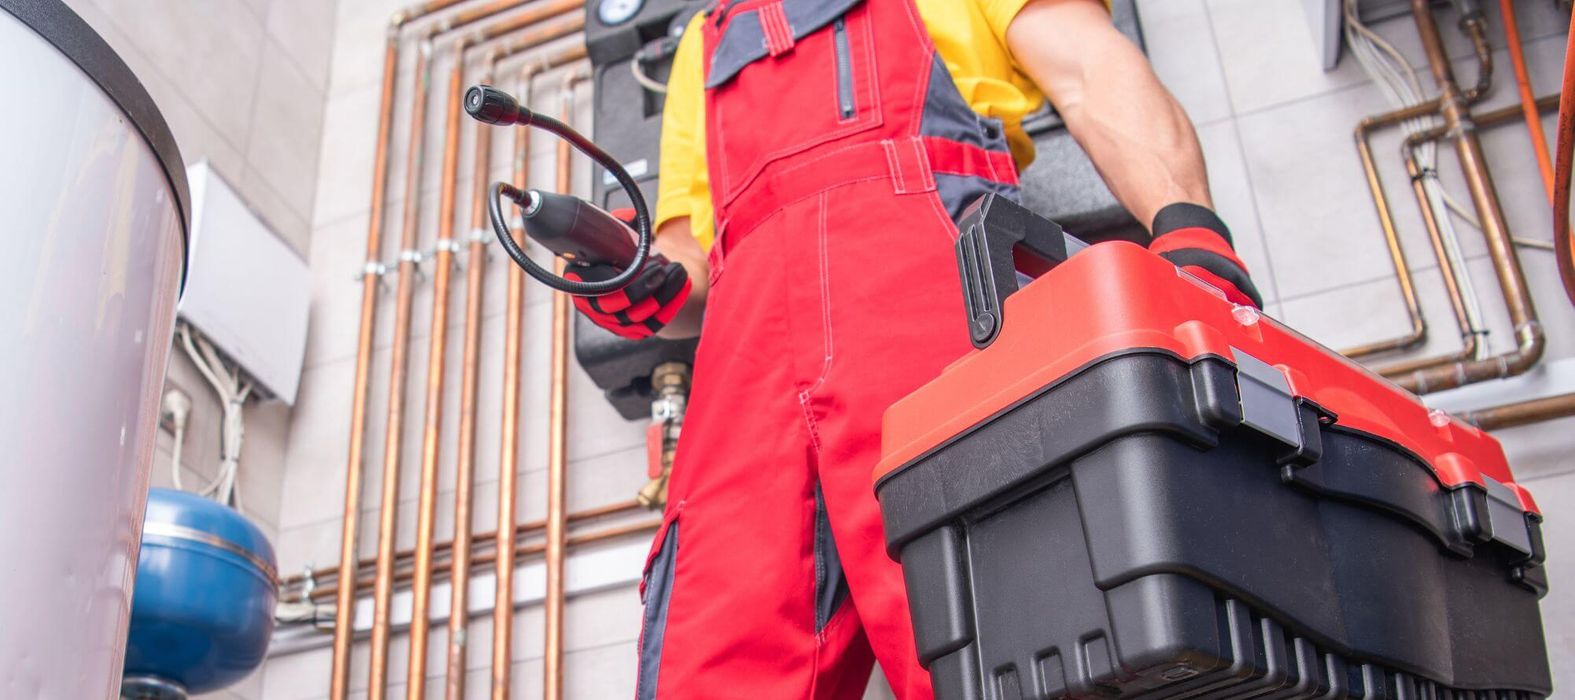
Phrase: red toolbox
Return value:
(1134, 488)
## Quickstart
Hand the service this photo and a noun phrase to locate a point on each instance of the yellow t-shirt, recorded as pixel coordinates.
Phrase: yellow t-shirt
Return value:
(970, 35)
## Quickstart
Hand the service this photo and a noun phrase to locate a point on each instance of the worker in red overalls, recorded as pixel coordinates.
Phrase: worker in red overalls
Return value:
(814, 156)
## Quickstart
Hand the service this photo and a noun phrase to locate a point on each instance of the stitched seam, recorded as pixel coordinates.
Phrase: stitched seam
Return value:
(948, 227)
(872, 78)
(892, 165)
(845, 183)
(837, 616)
(805, 396)
(926, 178)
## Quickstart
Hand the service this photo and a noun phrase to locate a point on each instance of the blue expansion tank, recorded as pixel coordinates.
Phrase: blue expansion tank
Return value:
(202, 612)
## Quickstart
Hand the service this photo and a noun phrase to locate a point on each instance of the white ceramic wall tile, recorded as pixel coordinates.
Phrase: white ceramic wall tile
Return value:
(280, 215)
(262, 464)
(284, 141)
(309, 546)
(1555, 495)
(315, 459)
(338, 255)
(602, 672)
(1540, 451)
(349, 140)
(212, 50)
(879, 689)
(1232, 191)
(1178, 38)
(1268, 55)
(297, 676)
(305, 28)
(1318, 220)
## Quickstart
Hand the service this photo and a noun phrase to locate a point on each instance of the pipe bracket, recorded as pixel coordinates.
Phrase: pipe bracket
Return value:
(372, 268)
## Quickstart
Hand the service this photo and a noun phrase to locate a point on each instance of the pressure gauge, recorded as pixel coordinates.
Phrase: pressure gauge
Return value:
(616, 12)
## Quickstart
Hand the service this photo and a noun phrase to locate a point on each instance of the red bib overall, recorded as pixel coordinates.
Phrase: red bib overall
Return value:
(839, 152)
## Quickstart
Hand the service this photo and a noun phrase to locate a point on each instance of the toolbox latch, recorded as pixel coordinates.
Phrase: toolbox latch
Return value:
(998, 239)
(1506, 522)
(1267, 404)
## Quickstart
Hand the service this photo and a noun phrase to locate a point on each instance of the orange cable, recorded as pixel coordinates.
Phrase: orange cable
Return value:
(1561, 176)
(1528, 101)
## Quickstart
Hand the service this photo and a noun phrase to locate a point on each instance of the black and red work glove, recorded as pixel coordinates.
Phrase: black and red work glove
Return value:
(1197, 241)
(642, 308)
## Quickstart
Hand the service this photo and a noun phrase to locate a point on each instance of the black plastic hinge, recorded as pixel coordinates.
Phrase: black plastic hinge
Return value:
(997, 238)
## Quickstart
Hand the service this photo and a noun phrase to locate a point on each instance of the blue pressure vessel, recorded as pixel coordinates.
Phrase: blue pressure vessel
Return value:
(202, 611)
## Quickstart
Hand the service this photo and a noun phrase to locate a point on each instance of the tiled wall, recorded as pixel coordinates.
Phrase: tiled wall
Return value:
(1276, 129)
(242, 84)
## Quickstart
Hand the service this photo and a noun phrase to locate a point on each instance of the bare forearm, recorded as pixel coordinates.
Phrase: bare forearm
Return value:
(1134, 131)
(675, 240)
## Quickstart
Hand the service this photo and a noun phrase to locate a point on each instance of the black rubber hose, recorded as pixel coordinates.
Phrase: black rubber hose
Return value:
(493, 106)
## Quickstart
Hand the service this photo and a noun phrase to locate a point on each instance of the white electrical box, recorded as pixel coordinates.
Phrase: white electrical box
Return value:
(247, 291)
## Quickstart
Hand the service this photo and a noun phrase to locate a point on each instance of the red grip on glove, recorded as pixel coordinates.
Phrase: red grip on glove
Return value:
(1197, 241)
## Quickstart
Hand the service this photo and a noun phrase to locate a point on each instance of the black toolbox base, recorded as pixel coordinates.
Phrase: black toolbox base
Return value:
(1157, 566)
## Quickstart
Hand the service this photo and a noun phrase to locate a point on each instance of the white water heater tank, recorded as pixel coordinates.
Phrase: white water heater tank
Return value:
(93, 204)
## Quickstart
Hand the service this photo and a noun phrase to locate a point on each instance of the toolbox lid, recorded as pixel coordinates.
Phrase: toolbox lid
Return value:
(1118, 297)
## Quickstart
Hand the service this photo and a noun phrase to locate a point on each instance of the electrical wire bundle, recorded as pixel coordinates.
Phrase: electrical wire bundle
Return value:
(232, 392)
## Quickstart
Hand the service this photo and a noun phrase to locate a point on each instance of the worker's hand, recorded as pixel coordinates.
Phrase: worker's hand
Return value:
(1197, 241)
(641, 309)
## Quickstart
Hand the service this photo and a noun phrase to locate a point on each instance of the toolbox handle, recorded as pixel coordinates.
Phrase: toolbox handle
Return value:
(998, 238)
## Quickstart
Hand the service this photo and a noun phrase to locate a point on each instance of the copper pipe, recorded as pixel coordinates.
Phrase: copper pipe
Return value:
(503, 604)
(1386, 220)
(420, 622)
(338, 686)
(326, 587)
(552, 676)
(503, 592)
(1522, 311)
(1470, 337)
(1418, 330)
(459, 563)
(532, 13)
(1522, 413)
(437, 356)
(1563, 405)
(326, 574)
(524, 549)
(383, 585)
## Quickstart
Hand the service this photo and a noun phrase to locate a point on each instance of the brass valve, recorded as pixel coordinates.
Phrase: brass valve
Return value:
(670, 384)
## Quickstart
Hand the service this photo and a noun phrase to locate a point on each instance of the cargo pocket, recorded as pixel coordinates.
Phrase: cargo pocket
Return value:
(656, 592)
(831, 583)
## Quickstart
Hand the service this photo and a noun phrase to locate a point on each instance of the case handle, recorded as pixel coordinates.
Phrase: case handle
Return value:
(998, 238)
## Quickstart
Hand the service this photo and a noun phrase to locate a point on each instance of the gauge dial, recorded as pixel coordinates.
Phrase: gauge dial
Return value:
(616, 12)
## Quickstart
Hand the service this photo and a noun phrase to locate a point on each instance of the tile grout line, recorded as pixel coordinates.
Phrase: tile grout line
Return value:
(1241, 152)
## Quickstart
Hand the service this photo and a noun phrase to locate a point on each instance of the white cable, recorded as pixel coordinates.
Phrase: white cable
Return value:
(180, 439)
(232, 398)
(644, 80)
